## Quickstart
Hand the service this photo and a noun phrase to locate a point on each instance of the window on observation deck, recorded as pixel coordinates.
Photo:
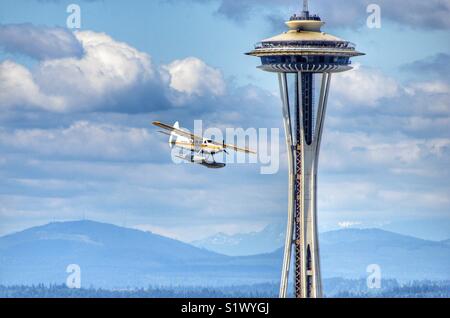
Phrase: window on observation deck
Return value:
(311, 59)
(296, 17)
(307, 44)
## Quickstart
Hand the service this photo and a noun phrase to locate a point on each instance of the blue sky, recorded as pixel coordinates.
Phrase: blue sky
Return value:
(75, 139)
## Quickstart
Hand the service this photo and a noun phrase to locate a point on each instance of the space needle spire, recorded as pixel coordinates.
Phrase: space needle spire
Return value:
(305, 6)
(304, 58)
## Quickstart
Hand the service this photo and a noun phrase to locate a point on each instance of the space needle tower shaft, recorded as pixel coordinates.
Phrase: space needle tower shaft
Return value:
(304, 58)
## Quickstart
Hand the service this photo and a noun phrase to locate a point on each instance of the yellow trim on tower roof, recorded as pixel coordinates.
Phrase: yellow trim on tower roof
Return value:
(294, 35)
(306, 25)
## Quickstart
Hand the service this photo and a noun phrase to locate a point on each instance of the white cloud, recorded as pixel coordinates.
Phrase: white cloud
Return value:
(363, 87)
(412, 199)
(348, 224)
(347, 150)
(343, 195)
(417, 123)
(194, 77)
(18, 88)
(432, 87)
(107, 69)
(82, 139)
(39, 42)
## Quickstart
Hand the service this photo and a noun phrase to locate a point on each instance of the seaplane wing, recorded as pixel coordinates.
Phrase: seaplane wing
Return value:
(196, 143)
(233, 147)
(177, 131)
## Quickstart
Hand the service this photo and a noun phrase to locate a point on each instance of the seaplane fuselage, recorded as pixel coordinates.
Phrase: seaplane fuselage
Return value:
(205, 146)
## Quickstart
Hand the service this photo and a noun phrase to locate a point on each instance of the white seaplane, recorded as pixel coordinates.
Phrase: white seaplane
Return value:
(202, 150)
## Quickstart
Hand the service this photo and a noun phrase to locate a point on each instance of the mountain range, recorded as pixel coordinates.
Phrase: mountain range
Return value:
(267, 240)
(115, 257)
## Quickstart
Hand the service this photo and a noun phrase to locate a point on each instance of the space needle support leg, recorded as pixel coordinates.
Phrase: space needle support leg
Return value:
(282, 78)
(322, 109)
(325, 90)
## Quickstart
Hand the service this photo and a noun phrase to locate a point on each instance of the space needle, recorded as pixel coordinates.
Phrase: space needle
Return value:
(304, 58)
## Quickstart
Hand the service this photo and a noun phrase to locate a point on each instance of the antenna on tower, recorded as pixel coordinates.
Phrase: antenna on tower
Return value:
(305, 6)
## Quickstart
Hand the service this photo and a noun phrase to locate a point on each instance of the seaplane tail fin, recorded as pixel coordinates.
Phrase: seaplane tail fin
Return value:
(173, 136)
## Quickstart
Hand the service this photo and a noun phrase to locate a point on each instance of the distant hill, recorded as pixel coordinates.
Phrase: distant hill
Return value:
(268, 240)
(113, 256)
(346, 253)
(116, 257)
